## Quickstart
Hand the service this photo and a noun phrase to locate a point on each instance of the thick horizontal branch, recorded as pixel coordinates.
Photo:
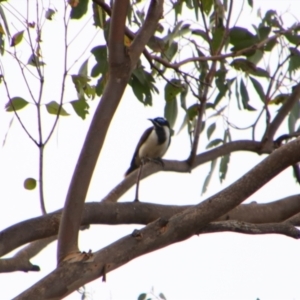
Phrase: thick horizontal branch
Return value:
(254, 229)
(294, 220)
(21, 260)
(140, 213)
(163, 232)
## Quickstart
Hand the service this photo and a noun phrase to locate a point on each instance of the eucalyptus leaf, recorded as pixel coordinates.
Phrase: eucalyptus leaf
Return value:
(16, 103)
(209, 176)
(81, 108)
(54, 108)
(17, 38)
(79, 10)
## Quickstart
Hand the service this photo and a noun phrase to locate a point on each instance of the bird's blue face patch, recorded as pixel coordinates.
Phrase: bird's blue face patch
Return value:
(161, 121)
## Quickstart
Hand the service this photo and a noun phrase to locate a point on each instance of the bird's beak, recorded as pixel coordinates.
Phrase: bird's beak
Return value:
(151, 120)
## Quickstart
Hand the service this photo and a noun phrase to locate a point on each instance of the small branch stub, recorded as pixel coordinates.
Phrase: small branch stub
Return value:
(137, 234)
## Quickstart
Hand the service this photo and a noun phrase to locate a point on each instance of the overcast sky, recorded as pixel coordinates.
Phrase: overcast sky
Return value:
(216, 266)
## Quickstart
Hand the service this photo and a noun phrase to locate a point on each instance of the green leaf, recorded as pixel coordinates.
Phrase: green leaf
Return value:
(201, 33)
(279, 99)
(142, 83)
(17, 38)
(271, 18)
(263, 32)
(101, 84)
(34, 61)
(222, 84)
(172, 89)
(100, 54)
(54, 108)
(99, 15)
(171, 50)
(192, 111)
(237, 95)
(29, 184)
(49, 14)
(179, 30)
(224, 167)
(142, 296)
(239, 33)
(293, 38)
(259, 72)
(16, 103)
(259, 89)
(79, 9)
(183, 95)
(217, 38)
(171, 111)
(195, 6)
(294, 116)
(210, 130)
(177, 6)
(81, 108)
(209, 176)
(2, 42)
(214, 143)
(80, 83)
(270, 45)
(207, 5)
(83, 70)
(241, 38)
(256, 57)
(294, 62)
(244, 65)
(244, 93)
(3, 17)
(250, 3)
(90, 91)
(226, 158)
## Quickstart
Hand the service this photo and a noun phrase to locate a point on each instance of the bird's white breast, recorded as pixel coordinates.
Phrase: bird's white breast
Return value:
(151, 148)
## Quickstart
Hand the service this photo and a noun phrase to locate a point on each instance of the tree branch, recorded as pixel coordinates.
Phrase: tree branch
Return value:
(163, 232)
(142, 37)
(182, 166)
(254, 229)
(141, 213)
(120, 68)
(282, 113)
(20, 261)
(220, 57)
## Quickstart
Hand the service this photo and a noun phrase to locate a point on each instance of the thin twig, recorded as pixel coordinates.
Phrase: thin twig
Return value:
(65, 73)
(220, 57)
(15, 112)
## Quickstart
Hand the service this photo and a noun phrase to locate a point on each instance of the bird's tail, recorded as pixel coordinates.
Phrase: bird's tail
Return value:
(131, 169)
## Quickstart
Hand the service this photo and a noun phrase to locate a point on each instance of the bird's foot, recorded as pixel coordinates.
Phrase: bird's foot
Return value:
(156, 160)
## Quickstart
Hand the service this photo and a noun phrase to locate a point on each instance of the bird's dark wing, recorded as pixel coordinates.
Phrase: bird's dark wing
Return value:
(135, 162)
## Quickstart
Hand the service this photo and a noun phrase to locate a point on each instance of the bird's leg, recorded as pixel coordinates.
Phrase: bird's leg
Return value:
(138, 181)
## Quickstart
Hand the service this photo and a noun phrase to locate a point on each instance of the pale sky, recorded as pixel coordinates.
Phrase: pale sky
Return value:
(215, 266)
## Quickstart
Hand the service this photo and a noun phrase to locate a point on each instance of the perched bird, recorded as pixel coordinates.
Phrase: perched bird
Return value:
(153, 144)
